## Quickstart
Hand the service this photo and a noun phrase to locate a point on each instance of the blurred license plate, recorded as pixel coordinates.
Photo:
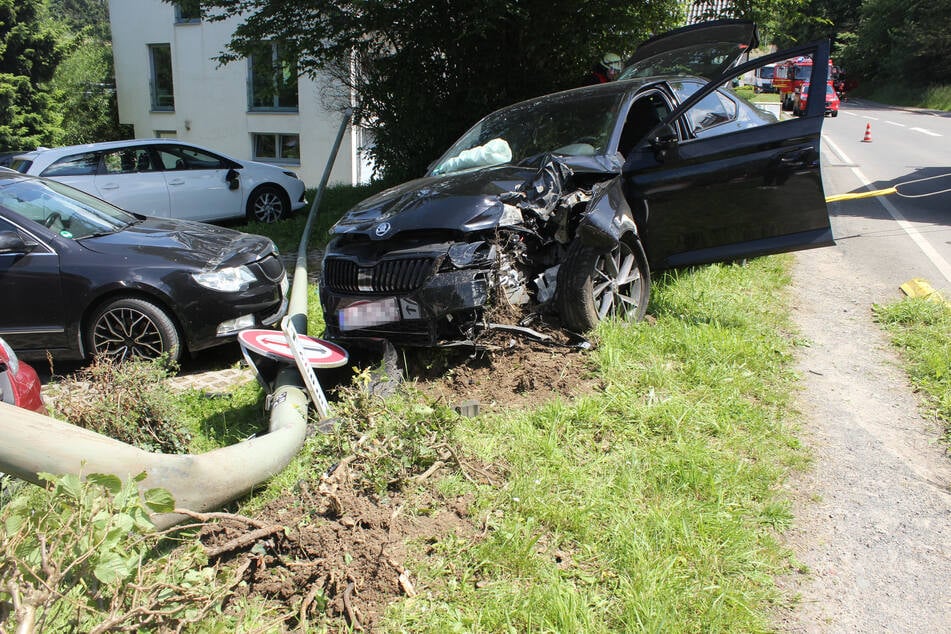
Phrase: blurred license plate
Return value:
(366, 314)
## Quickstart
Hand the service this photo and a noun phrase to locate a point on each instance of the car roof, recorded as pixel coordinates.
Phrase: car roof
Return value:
(44, 156)
(65, 150)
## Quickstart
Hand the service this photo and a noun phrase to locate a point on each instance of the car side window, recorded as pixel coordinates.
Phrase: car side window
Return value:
(181, 158)
(711, 111)
(84, 164)
(644, 115)
(127, 161)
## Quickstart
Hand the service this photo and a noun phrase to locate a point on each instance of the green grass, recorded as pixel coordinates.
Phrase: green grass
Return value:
(931, 97)
(921, 330)
(651, 505)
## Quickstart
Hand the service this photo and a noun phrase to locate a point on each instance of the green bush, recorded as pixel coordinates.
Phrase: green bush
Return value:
(127, 401)
(84, 557)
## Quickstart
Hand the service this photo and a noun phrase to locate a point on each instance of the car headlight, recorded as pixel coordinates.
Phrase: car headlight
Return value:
(291, 174)
(228, 280)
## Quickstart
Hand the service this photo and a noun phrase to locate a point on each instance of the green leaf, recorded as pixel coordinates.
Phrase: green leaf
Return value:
(159, 500)
(109, 482)
(111, 568)
(70, 485)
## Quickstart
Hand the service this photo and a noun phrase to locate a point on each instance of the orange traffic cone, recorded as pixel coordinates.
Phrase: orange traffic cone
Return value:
(868, 133)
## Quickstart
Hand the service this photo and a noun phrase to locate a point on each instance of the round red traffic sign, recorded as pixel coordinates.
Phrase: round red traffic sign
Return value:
(273, 345)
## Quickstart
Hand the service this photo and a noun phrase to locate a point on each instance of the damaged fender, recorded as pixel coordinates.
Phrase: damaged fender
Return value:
(607, 218)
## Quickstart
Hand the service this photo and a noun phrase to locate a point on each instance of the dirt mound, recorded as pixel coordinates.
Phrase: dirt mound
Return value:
(517, 373)
(334, 551)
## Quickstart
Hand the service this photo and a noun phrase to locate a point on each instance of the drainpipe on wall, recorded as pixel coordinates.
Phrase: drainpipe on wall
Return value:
(31, 443)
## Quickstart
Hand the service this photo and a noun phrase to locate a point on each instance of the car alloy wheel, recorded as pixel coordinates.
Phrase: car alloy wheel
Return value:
(593, 286)
(267, 204)
(132, 328)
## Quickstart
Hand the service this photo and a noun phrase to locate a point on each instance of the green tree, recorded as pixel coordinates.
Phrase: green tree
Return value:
(903, 41)
(425, 70)
(29, 53)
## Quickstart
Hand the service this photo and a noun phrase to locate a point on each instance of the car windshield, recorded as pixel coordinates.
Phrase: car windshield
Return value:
(67, 211)
(569, 124)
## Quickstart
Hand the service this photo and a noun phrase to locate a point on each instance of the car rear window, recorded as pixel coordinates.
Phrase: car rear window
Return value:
(20, 165)
(75, 165)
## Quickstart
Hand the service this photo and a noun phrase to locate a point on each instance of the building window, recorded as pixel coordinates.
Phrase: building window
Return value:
(277, 148)
(272, 81)
(166, 134)
(160, 62)
(188, 12)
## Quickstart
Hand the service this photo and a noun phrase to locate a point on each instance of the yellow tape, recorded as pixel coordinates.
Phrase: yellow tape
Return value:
(871, 194)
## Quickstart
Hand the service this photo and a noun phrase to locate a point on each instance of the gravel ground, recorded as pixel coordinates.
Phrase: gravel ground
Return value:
(873, 515)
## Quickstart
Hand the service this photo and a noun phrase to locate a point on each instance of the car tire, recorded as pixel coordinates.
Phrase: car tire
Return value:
(130, 327)
(593, 286)
(268, 203)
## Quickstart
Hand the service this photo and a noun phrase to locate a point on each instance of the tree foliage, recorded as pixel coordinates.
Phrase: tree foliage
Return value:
(29, 54)
(904, 41)
(425, 70)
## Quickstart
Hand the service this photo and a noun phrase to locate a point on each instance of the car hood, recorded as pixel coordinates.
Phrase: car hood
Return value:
(472, 200)
(183, 242)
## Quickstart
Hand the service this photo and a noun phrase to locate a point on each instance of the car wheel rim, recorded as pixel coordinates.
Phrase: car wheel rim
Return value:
(268, 207)
(126, 333)
(617, 283)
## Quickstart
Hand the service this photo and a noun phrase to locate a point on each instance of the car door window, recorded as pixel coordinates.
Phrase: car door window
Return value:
(645, 113)
(84, 164)
(127, 161)
(182, 158)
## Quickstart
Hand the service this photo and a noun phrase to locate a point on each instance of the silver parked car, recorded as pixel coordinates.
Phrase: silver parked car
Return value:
(169, 178)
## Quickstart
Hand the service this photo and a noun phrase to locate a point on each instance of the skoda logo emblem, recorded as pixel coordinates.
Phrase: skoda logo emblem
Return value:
(382, 229)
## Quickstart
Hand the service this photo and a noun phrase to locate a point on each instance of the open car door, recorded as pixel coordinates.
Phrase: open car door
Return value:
(703, 50)
(745, 182)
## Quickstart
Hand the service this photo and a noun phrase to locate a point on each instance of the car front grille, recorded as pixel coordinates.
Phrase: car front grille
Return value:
(387, 276)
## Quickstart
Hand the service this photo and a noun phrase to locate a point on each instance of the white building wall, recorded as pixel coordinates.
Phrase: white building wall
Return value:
(211, 101)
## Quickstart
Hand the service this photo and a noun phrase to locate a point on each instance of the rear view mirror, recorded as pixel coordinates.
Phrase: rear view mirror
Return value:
(12, 243)
(666, 135)
(663, 142)
(232, 178)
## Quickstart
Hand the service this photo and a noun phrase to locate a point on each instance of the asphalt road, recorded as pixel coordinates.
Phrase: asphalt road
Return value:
(872, 514)
(902, 235)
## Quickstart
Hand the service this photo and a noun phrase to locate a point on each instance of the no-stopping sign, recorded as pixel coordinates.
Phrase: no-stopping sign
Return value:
(273, 345)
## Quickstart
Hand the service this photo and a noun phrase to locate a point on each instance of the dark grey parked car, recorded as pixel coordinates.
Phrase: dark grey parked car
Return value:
(79, 277)
(562, 205)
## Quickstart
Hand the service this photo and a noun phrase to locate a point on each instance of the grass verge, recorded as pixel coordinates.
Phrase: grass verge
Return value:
(921, 330)
(931, 97)
(650, 505)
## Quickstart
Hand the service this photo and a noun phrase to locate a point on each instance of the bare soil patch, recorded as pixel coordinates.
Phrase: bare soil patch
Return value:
(519, 374)
(341, 552)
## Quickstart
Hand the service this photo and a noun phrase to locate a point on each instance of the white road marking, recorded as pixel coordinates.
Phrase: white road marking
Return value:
(923, 131)
(865, 116)
(900, 125)
(940, 263)
(851, 114)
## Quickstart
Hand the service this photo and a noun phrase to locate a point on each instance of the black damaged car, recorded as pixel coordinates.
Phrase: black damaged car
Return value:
(563, 205)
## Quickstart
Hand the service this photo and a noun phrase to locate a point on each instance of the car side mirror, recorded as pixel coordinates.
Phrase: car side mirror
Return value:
(664, 142)
(12, 243)
(232, 178)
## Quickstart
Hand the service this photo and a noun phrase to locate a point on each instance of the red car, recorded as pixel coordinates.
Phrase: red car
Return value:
(802, 99)
(19, 384)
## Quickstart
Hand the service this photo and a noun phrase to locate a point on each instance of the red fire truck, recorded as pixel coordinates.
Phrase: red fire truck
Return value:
(789, 77)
